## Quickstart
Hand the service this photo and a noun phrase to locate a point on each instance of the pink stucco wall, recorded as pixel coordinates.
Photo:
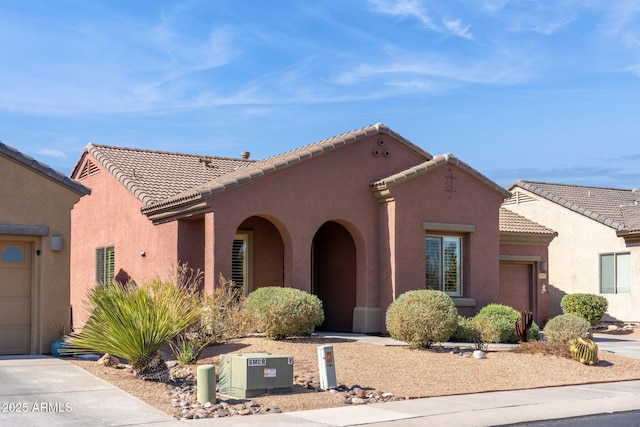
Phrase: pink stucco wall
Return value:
(111, 216)
(286, 209)
(332, 187)
(471, 203)
(335, 187)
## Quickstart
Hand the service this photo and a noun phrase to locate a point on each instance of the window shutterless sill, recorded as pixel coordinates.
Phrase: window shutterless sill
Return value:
(464, 302)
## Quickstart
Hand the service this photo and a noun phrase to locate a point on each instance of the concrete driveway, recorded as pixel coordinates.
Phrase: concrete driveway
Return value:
(618, 344)
(45, 391)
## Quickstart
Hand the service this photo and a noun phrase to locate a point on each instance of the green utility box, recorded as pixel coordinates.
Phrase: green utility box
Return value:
(253, 374)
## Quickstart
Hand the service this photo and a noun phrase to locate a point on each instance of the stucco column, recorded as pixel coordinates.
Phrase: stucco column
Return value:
(301, 260)
(371, 318)
(209, 246)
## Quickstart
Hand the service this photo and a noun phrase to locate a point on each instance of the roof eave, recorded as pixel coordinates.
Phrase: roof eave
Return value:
(43, 170)
(382, 188)
(632, 237)
(526, 239)
(173, 212)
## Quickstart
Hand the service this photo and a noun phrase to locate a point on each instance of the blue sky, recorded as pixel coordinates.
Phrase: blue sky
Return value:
(535, 90)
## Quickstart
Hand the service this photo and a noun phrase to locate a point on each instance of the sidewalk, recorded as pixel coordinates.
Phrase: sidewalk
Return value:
(45, 391)
(482, 409)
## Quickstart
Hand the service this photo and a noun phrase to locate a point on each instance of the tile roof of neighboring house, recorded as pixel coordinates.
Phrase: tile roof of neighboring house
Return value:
(153, 176)
(431, 164)
(511, 222)
(272, 164)
(631, 217)
(43, 169)
(616, 208)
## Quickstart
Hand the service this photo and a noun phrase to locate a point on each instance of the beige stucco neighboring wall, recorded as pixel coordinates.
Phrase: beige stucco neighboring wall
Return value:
(30, 199)
(575, 256)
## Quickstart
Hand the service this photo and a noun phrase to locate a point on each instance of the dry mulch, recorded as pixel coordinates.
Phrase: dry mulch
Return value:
(404, 372)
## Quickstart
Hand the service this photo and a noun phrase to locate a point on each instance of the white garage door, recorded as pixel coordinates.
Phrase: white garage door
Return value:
(15, 297)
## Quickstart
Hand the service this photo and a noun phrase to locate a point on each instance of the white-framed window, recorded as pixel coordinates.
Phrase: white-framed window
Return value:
(615, 273)
(241, 259)
(444, 264)
(105, 264)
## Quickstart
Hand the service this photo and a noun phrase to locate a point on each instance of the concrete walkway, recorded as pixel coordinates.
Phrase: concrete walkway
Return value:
(44, 391)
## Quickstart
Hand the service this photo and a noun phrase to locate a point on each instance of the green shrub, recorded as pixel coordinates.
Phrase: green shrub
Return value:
(422, 317)
(134, 322)
(502, 318)
(589, 306)
(283, 312)
(487, 329)
(566, 327)
(465, 330)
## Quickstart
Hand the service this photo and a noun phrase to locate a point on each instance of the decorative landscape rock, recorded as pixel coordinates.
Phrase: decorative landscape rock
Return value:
(108, 361)
(182, 394)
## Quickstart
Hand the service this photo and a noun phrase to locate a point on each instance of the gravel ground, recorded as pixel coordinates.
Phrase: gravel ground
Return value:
(397, 371)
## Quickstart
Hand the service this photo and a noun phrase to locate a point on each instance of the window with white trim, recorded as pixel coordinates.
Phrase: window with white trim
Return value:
(444, 264)
(615, 273)
(105, 264)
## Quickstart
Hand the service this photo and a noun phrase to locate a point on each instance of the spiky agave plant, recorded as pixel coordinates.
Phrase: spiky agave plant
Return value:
(133, 322)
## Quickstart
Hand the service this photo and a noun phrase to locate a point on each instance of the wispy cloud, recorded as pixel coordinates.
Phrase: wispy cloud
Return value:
(417, 10)
(47, 152)
(456, 27)
(494, 70)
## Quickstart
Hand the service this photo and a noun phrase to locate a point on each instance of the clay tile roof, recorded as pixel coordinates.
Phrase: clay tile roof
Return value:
(431, 164)
(631, 217)
(153, 176)
(269, 165)
(616, 208)
(511, 222)
(43, 169)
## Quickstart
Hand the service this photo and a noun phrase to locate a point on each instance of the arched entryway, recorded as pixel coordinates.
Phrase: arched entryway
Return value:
(333, 275)
(257, 255)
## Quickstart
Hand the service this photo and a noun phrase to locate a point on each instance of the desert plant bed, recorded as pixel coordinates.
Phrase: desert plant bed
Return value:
(398, 371)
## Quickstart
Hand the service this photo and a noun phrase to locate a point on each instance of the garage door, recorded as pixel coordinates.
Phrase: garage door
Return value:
(515, 285)
(15, 297)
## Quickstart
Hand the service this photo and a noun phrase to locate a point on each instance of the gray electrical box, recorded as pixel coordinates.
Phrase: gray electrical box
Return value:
(253, 374)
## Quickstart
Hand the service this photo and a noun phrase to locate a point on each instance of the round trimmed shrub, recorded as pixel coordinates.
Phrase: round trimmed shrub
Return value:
(589, 306)
(496, 323)
(566, 327)
(422, 317)
(283, 312)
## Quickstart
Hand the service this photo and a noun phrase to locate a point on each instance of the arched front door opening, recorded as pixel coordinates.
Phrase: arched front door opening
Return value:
(333, 275)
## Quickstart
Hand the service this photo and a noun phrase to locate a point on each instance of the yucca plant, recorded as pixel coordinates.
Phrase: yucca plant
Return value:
(133, 322)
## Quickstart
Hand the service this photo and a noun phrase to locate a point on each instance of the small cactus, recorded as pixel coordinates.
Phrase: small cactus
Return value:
(584, 351)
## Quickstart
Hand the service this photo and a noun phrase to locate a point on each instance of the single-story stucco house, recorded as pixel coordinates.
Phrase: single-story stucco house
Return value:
(356, 219)
(35, 232)
(597, 250)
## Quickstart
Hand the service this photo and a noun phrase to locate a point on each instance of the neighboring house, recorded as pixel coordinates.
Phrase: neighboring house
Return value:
(35, 231)
(356, 219)
(597, 250)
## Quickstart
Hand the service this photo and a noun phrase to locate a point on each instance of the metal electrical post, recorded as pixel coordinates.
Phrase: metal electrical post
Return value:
(327, 368)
